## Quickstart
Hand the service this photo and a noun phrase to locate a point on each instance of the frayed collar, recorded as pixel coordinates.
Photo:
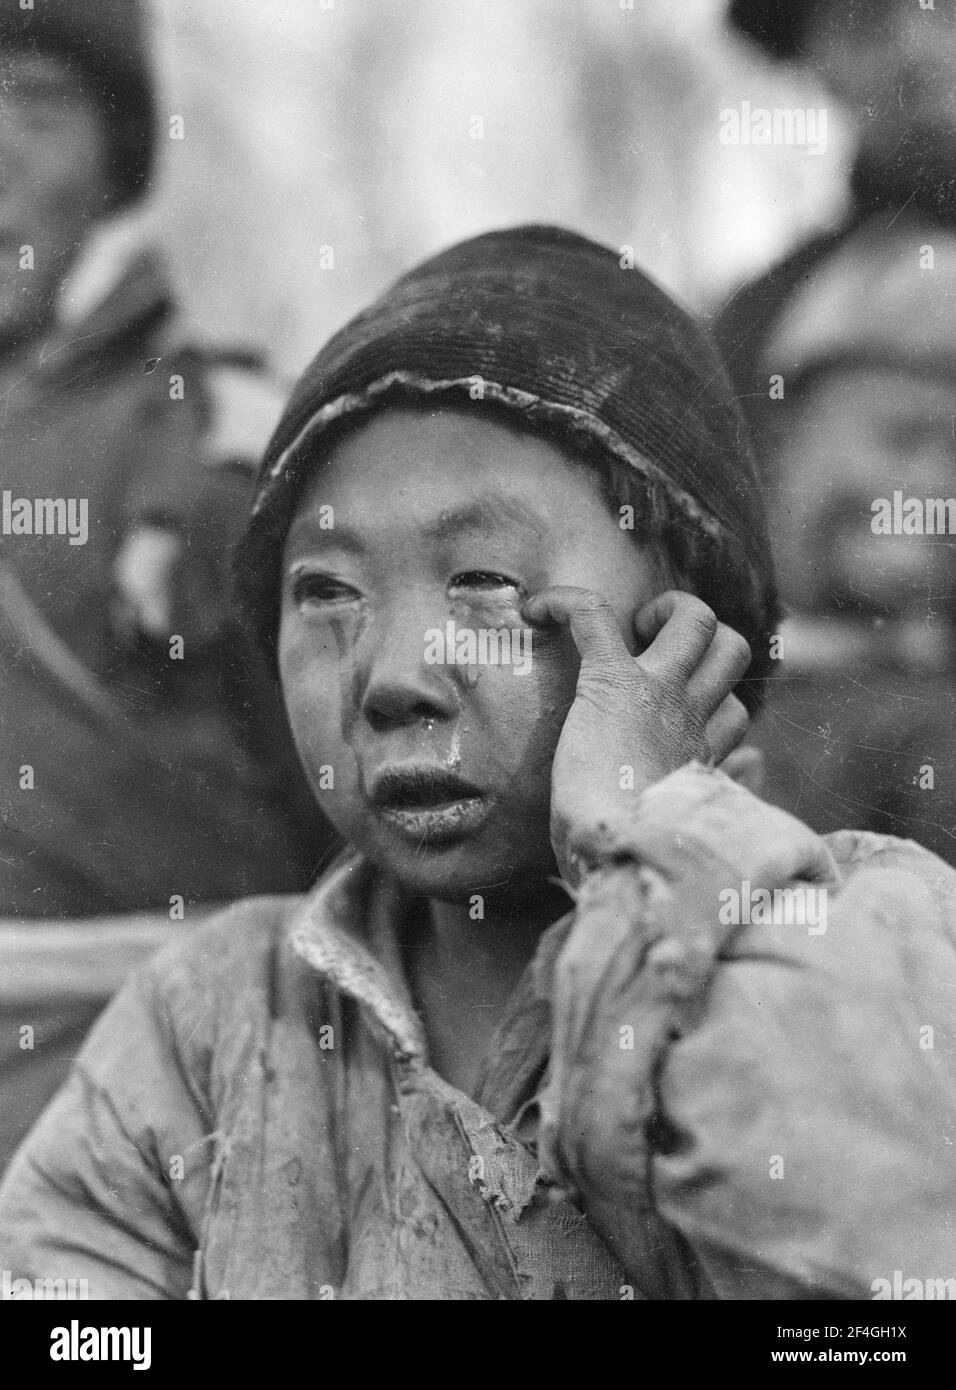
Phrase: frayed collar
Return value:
(346, 930)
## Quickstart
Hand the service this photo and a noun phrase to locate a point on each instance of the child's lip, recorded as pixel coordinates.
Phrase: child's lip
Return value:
(419, 787)
(428, 805)
(428, 826)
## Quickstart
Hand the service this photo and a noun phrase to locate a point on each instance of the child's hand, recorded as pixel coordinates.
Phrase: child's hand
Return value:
(635, 719)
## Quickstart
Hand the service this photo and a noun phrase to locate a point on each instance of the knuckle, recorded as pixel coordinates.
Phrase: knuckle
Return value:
(731, 725)
(738, 716)
(596, 603)
(609, 690)
(703, 617)
(737, 647)
(582, 601)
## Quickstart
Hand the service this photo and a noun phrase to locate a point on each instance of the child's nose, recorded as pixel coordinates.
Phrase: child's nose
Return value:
(402, 686)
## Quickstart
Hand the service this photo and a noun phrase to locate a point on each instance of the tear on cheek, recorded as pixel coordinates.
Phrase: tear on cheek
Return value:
(489, 611)
(305, 644)
(344, 636)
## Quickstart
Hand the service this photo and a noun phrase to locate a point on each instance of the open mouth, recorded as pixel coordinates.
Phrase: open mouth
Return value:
(428, 803)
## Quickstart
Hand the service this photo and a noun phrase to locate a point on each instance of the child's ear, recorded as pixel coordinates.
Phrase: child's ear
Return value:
(746, 766)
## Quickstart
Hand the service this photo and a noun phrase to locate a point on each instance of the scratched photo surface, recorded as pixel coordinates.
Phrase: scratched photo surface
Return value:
(477, 661)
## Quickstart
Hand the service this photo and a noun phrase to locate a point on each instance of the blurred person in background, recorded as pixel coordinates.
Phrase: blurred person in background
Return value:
(843, 357)
(857, 455)
(892, 65)
(133, 772)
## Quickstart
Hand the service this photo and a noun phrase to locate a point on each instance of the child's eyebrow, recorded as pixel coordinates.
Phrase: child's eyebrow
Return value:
(305, 531)
(483, 514)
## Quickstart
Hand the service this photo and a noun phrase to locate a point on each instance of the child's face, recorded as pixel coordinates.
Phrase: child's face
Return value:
(412, 551)
(858, 436)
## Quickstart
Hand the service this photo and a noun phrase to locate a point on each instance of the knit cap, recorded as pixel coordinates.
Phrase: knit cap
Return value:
(584, 349)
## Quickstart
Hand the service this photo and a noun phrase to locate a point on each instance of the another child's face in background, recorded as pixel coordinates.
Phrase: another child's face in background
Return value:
(421, 533)
(860, 435)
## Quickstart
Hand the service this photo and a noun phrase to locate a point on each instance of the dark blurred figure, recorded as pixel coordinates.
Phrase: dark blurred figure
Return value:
(862, 716)
(844, 356)
(892, 63)
(133, 774)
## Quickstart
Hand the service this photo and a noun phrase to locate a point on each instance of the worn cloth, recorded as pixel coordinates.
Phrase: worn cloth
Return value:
(554, 329)
(283, 1135)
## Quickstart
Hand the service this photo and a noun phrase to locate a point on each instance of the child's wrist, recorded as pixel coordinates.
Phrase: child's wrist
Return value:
(593, 842)
(601, 828)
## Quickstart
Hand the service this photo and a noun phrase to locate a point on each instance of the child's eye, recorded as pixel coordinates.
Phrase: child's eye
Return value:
(483, 579)
(321, 588)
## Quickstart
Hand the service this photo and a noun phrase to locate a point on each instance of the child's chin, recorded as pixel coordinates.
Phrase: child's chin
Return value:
(455, 872)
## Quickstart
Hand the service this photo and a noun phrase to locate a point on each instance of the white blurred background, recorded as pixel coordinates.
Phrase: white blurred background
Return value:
(351, 124)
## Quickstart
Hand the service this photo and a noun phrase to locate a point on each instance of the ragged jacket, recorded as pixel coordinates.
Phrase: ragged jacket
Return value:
(676, 1105)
